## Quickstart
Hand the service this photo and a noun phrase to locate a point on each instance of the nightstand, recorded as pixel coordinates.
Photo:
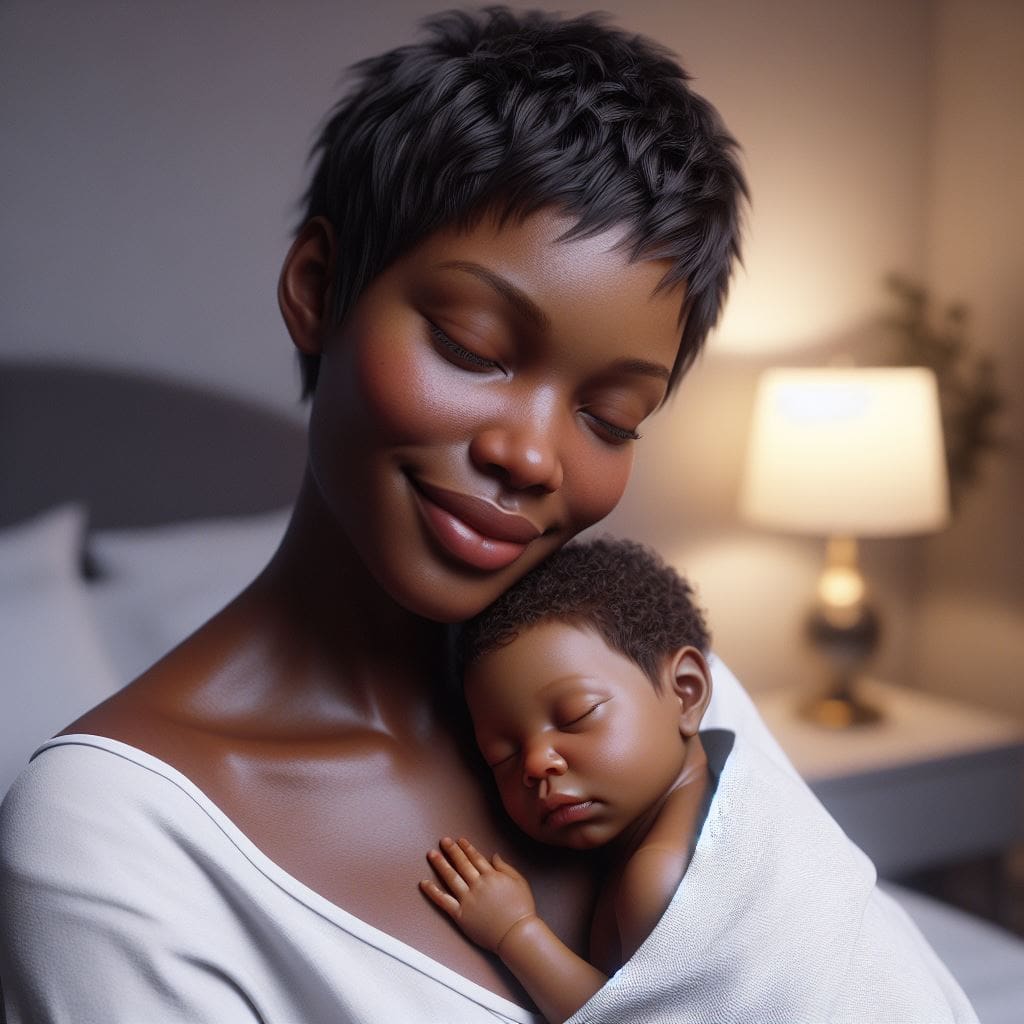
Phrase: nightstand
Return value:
(934, 782)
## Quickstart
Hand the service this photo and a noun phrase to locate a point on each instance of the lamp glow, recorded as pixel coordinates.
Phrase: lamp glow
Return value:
(846, 453)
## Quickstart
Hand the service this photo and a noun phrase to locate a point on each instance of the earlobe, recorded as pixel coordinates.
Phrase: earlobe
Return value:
(304, 287)
(691, 684)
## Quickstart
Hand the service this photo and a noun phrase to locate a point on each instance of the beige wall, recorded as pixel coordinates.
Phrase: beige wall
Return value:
(970, 637)
(154, 156)
(832, 103)
(954, 603)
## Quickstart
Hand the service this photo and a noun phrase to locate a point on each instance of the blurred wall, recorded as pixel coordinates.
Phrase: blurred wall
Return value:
(950, 159)
(970, 637)
(153, 157)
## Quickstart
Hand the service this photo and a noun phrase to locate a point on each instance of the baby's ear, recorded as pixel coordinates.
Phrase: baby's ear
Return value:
(690, 679)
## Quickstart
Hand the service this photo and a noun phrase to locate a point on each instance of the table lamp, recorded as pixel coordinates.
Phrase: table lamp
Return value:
(845, 453)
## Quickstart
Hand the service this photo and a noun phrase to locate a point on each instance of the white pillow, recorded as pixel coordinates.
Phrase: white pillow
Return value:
(159, 584)
(52, 664)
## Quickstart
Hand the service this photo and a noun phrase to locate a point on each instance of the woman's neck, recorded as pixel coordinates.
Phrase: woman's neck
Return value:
(377, 660)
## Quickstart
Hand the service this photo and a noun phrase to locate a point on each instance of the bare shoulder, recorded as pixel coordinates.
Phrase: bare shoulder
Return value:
(178, 703)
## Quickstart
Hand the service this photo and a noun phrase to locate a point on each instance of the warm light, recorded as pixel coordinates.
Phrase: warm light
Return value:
(841, 587)
(847, 452)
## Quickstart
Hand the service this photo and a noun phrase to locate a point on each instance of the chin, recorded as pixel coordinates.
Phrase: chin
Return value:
(582, 838)
(574, 842)
(443, 611)
(449, 594)
(583, 841)
(442, 599)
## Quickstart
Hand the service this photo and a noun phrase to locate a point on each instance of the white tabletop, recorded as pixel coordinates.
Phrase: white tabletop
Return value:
(917, 727)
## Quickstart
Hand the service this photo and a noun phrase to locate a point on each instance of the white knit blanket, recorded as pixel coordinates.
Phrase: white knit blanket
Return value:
(778, 921)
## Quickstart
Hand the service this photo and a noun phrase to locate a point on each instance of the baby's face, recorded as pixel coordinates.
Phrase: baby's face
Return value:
(580, 742)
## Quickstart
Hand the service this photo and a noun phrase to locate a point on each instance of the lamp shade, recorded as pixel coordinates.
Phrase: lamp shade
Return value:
(852, 452)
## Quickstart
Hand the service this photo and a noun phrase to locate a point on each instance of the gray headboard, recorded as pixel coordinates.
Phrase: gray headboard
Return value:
(138, 450)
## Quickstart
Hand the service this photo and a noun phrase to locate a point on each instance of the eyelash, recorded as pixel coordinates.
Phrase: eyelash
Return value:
(463, 354)
(618, 435)
(586, 714)
(563, 725)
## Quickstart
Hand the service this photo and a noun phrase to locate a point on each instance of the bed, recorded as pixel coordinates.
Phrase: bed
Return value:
(133, 507)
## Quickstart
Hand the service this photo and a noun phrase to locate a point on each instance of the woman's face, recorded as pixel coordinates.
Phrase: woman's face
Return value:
(477, 407)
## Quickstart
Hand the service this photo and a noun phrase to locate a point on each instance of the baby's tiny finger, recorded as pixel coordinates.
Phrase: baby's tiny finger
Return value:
(477, 859)
(447, 873)
(462, 863)
(448, 903)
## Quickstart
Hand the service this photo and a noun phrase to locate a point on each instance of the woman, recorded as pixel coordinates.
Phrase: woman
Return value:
(517, 237)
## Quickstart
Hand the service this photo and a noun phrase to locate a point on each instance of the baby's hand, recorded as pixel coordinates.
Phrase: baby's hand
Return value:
(485, 898)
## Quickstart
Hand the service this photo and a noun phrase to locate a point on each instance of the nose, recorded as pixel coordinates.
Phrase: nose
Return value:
(522, 451)
(542, 762)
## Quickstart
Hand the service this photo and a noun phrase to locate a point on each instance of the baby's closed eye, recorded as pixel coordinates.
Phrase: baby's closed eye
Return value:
(576, 712)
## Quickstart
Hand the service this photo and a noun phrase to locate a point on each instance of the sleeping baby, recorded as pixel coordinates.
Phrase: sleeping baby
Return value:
(586, 683)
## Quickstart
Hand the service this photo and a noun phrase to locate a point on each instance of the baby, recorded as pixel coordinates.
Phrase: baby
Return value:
(586, 683)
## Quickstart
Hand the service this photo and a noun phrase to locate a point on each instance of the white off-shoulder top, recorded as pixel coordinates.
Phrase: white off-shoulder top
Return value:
(128, 897)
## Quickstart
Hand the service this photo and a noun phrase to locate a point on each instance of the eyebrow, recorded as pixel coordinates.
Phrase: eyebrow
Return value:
(643, 367)
(527, 308)
(513, 295)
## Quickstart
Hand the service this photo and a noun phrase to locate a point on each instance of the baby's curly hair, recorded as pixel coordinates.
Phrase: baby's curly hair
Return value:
(640, 606)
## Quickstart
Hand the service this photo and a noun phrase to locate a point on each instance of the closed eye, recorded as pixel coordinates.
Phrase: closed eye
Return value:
(493, 764)
(609, 431)
(581, 718)
(459, 354)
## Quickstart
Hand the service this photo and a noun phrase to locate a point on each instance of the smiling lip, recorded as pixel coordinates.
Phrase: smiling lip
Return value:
(559, 810)
(472, 529)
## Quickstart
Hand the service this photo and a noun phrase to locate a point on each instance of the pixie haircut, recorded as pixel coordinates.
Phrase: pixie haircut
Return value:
(506, 112)
(640, 606)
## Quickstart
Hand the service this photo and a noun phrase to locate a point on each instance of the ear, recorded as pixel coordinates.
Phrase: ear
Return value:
(304, 287)
(690, 680)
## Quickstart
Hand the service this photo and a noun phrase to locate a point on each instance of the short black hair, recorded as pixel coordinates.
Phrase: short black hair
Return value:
(640, 606)
(508, 112)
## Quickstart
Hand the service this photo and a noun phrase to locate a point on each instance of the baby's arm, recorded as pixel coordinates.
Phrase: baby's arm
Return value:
(645, 889)
(493, 905)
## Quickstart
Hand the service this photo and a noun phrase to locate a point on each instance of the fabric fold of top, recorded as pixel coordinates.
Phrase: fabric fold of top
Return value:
(779, 920)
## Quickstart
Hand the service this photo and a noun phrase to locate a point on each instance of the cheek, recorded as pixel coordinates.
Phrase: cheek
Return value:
(511, 793)
(598, 483)
(403, 391)
(626, 749)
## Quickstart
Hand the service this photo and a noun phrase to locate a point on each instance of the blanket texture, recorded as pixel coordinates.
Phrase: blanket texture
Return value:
(778, 921)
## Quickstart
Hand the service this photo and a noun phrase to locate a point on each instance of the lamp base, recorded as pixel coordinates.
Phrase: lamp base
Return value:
(839, 711)
(844, 629)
